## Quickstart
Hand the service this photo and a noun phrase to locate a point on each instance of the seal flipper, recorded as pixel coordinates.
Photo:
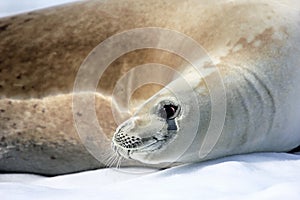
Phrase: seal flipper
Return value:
(295, 150)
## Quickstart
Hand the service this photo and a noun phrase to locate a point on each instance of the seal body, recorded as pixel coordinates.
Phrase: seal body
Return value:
(254, 44)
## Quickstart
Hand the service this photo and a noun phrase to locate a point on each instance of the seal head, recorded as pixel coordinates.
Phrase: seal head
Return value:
(155, 124)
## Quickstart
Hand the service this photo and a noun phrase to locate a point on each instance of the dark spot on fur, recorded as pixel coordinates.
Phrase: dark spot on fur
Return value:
(40, 126)
(19, 133)
(4, 27)
(43, 110)
(2, 110)
(23, 87)
(9, 102)
(35, 105)
(2, 139)
(19, 76)
(79, 114)
(6, 118)
(52, 157)
(1, 86)
(31, 13)
(27, 20)
(8, 156)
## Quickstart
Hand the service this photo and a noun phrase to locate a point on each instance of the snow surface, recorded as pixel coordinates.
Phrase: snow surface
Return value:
(253, 176)
(11, 7)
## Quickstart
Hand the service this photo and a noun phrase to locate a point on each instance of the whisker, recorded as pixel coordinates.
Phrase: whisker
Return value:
(109, 160)
(119, 162)
(115, 160)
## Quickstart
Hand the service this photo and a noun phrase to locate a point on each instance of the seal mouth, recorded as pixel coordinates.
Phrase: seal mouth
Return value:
(144, 145)
(152, 143)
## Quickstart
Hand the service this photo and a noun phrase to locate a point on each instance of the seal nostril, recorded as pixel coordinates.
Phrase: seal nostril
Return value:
(127, 141)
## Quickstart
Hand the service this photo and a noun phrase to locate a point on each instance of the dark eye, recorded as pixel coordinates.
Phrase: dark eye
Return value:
(169, 111)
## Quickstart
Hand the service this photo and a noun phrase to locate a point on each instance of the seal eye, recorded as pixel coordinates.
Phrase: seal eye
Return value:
(169, 111)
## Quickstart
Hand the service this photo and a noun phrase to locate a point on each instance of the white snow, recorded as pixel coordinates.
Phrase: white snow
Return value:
(12, 7)
(252, 176)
